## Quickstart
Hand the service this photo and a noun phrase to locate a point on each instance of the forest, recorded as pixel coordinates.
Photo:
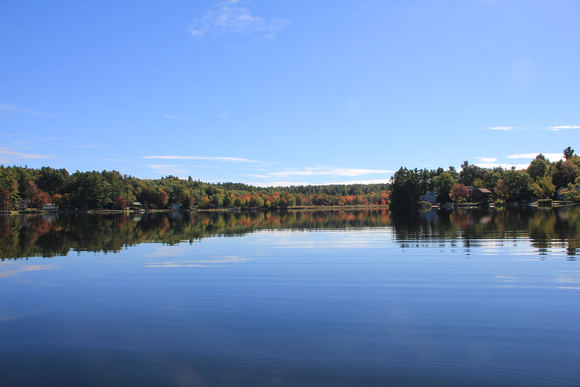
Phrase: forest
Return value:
(111, 190)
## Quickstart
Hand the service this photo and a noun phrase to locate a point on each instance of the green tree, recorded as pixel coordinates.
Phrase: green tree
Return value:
(491, 177)
(405, 188)
(443, 184)
(515, 185)
(227, 201)
(573, 191)
(217, 200)
(9, 185)
(469, 173)
(52, 180)
(543, 187)
(538, 167)
(565, 172)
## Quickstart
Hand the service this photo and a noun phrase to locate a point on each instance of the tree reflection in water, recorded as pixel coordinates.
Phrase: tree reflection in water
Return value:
(53, 235)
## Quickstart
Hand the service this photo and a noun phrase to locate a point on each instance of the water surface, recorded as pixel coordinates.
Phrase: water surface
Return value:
(474, 297)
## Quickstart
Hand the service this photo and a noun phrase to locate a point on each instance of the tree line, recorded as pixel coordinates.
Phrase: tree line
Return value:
(113, 190)
(542, 179)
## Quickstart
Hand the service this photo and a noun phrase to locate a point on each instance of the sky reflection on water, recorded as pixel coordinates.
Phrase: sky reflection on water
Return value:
(358, 305)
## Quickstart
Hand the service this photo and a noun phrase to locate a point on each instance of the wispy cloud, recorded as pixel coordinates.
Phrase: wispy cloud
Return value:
(230, 159)
(557, 128)
(11, 273)
(164, 170)
(168, 116)
(287, 183)
(227, 17)
(552, 128)
(325, 171)
(274, 179)
(492, 162)
(18, 155)
(85, 146)
(550, 156)
(488, 159)
(6, 109)
(503, 128)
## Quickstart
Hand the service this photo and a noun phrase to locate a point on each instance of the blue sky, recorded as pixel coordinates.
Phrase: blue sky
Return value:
(280, 93)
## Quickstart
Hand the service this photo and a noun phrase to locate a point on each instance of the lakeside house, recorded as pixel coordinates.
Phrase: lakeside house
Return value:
(22, 205)
(562, 193)
(50, 207)
(479, 194)
(429, 197)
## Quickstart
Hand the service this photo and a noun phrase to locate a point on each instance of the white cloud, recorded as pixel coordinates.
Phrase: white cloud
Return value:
(230, 159)
(373, 181)
(229, 18)
(324, 171)
(553, 128)
(488, 159)
(557, 128)
(320, 171)
(303, 183)
(503, 128)
(18, 155)
(550, 156)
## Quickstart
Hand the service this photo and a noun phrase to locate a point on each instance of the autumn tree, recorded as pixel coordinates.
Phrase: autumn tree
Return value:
(40, 199)
(162, 198)
(120, 203)
(459, 193)
(4, 200)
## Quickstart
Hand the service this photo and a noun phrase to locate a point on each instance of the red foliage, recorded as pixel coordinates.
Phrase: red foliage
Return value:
(4, 199)
(41, 199)
(459, 193)
(120, 203)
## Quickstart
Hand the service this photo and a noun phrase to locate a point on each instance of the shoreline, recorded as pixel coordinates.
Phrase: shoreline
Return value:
(555, 204)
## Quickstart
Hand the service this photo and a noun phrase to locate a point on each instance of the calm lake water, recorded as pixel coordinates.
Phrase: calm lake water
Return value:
(361, 298)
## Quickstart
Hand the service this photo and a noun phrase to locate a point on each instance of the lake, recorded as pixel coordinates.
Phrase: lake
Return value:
(299, 298)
